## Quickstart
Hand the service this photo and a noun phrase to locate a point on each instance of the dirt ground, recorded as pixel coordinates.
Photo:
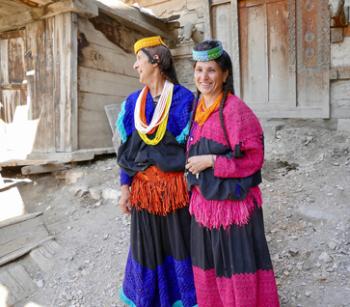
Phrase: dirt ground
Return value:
(306, 210)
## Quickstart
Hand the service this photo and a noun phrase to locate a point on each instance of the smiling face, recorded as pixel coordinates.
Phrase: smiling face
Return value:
(144, 68)
(209, 78)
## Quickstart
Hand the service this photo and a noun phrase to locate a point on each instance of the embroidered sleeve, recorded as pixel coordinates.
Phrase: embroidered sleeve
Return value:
(246, 137)
(122, 131)
(120, 123)
(179, 125)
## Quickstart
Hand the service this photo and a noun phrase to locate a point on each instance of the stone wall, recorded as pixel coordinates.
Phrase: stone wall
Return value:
(193, 16)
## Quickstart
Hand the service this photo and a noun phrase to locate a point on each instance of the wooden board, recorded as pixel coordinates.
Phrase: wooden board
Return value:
(21, 235)
(18, 283)
(40, 67)
(92, 118)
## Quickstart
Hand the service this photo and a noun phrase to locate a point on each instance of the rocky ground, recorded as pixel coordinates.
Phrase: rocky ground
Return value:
(306, 210)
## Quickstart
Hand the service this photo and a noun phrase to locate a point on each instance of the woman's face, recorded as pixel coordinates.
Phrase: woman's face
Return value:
(209, 78)
(144, 68)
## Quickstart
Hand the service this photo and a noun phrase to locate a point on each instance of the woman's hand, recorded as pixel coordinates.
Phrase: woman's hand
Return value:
(196, 164)
(124, 200)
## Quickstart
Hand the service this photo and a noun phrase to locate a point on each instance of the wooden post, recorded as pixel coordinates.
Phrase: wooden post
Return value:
(65, 58)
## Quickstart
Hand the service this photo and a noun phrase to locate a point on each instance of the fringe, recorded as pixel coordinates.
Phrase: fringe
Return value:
(214, 213)
(158, 192)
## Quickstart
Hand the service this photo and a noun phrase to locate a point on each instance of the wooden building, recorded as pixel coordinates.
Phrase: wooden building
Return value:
(291, 58)
(61, 62)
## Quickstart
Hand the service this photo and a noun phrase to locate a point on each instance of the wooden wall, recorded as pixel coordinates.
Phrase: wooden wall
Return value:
(105, 77)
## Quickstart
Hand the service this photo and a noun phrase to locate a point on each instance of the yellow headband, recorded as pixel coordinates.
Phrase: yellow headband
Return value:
(148, 42)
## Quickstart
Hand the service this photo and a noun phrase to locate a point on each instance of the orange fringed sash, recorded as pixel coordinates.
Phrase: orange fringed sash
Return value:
(158, 192)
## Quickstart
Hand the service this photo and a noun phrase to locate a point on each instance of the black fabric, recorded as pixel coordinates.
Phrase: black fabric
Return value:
(135, 155)
(154, 237)
(216, 188)
(238, 249)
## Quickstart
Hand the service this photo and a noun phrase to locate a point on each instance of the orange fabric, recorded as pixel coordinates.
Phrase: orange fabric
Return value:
(202, 112)
(159, 192)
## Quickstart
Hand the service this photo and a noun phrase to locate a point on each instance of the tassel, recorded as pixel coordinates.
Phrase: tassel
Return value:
(158, 192)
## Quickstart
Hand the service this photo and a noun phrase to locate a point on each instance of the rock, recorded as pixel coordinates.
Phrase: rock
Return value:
(293, 252)
(39, 283)
(109, 193)
(97, 204)
(81, 191)
(332, 245)
(325, 257)
(72, 176)
(307, 293)
(95, 193)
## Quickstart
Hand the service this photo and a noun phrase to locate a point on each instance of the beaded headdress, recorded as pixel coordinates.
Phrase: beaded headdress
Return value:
(147, 42)
(208, 55)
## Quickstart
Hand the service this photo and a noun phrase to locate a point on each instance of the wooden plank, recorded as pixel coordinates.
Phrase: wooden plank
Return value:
(105, 83)
(92, 118)
(106, 59)
(16, 59)
(282, 70)
(65, 57)
(21, 276)
(236, 56)
(313, 56)
(221, 23)
(25, 249)
(41, 84)
(19, 219)
(133, 18)
(340, 98)
(86, 8)
(4, 70)
(42, 169)
(8, 183)
(18, 20)
(12, 239)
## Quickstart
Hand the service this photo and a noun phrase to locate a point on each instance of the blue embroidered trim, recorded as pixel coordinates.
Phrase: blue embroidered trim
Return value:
(168, 284)
(129, 302)
(120, 124)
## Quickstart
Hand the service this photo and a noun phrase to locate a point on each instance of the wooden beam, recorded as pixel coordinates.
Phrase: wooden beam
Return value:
(42, 169)
(133, 18)
(19, 20)
(85, 8)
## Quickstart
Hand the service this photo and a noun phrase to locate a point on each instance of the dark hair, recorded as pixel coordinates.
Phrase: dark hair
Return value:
(164, 61)
(225, 63)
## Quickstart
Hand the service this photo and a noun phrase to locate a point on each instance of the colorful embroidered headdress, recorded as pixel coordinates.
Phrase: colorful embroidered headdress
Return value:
(147, 42)
(208, 55)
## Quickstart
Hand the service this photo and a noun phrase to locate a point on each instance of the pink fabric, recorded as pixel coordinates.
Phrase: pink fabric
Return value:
(240, 290)
(216, 213)
(243, 128)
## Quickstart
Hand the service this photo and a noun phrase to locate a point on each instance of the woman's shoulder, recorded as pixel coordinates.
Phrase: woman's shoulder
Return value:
(237, 110)
(183, 93)
(236, 105)
(133, 96)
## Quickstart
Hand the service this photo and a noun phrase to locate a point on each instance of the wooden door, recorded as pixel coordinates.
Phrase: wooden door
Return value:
(13, 89)
(280, 51)
(267, 54)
